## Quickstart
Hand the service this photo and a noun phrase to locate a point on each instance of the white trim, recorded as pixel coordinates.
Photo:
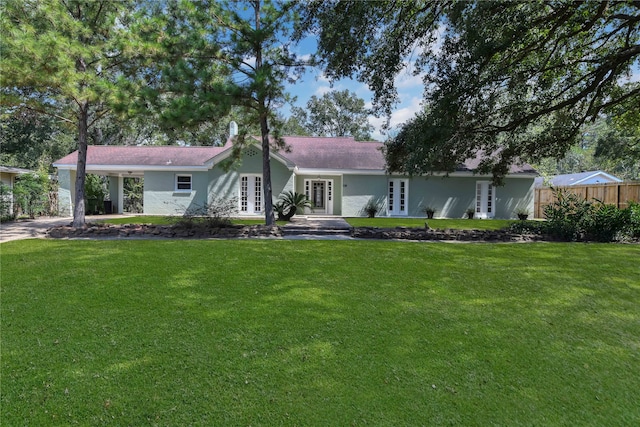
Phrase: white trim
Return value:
(378, 172)
(176, 183)
(227, 153)
(134, 168)
(612, 179)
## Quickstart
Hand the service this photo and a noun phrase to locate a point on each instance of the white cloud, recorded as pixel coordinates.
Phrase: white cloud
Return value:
(321, 90)
(398, 117)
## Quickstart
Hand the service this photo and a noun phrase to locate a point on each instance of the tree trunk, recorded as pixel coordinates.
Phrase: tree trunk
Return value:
(79, 208)
(269, 217)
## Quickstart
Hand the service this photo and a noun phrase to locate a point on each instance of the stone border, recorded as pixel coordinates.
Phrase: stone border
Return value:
(198, 231)
(111, 231)
(405, 233)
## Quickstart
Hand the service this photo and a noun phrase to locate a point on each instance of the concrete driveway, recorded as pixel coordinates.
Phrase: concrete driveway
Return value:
(37, 228)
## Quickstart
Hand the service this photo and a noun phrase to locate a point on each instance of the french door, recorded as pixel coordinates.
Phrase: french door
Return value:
(397, 196)
(485, 199)
(250, 194)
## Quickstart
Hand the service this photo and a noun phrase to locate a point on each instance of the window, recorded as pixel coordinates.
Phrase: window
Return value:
(183, 182)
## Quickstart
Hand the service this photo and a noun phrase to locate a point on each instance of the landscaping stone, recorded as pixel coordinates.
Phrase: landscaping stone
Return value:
(161, 231)
(403, 233)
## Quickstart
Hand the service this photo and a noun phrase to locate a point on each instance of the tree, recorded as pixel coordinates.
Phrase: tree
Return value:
(77, 55)
(510, 80)
(336, 113)
(30, 193)
(31, 140)
(225, 54)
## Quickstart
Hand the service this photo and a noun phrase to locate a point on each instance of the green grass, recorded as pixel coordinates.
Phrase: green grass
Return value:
(442, 224)
(274, 332)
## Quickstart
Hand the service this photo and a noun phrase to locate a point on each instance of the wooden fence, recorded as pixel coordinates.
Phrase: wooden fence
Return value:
(618, 194)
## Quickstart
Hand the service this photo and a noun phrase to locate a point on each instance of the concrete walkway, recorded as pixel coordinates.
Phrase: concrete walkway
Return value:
(312, 227)
(301, 227)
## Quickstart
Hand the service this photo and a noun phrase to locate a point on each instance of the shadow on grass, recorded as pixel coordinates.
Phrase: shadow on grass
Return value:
(304, 332)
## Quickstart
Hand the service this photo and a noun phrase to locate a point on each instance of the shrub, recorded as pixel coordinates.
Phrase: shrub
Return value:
(95, 191)
(566, 214)
(289, 203)
(632, 228)
(6, 197)
(604, 223)
(218, 213)
(31, 193)
(372, 208)
(572, 218)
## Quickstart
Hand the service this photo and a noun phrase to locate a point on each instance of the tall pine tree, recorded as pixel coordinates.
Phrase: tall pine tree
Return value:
(225, 54)
(68, 59)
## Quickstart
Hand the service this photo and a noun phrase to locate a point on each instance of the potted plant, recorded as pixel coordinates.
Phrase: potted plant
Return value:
(522, 214)
(371, 208)
(429, 211)
(470, 213)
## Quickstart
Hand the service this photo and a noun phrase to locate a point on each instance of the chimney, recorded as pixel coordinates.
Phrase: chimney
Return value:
(233, 129)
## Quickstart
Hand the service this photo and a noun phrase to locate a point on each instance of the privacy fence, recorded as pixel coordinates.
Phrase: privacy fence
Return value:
(612, 194)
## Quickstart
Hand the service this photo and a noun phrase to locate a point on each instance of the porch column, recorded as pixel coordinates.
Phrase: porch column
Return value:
(120, 195)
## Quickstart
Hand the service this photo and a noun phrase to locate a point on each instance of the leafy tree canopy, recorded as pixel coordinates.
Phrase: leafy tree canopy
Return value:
(225, 54)
(72, 60)
(336, 113)
(510, 80)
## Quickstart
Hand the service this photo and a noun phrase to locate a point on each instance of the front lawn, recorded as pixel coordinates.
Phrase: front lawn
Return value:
(276, 332)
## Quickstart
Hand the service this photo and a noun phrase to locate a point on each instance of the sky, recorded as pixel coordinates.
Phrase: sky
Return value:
(314, 82)
(410, 91)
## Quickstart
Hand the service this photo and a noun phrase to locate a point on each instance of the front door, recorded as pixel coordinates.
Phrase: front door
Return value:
(320, 192)
(318, 196)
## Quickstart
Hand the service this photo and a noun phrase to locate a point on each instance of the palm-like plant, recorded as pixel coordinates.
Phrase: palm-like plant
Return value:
(289, 203)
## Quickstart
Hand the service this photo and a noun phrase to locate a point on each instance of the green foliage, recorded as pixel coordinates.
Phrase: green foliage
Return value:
(133, 195)
(508, 80)
(6, 200)
(30, 140)
(372, 207)
(336, 113)
(30, 193)
(241, 61)
(633, 227)
(85, 60)
(570, 217)
(95, 189)
(289, 203)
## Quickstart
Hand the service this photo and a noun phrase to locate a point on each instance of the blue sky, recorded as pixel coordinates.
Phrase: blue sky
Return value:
(410, 90)
(314, 82)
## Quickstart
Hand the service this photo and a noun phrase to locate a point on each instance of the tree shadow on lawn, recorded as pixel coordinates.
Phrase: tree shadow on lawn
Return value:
(373, 332)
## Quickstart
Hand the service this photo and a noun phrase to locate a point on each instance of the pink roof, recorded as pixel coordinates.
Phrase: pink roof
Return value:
(110, 155)
(340, 153)
(334, 153)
